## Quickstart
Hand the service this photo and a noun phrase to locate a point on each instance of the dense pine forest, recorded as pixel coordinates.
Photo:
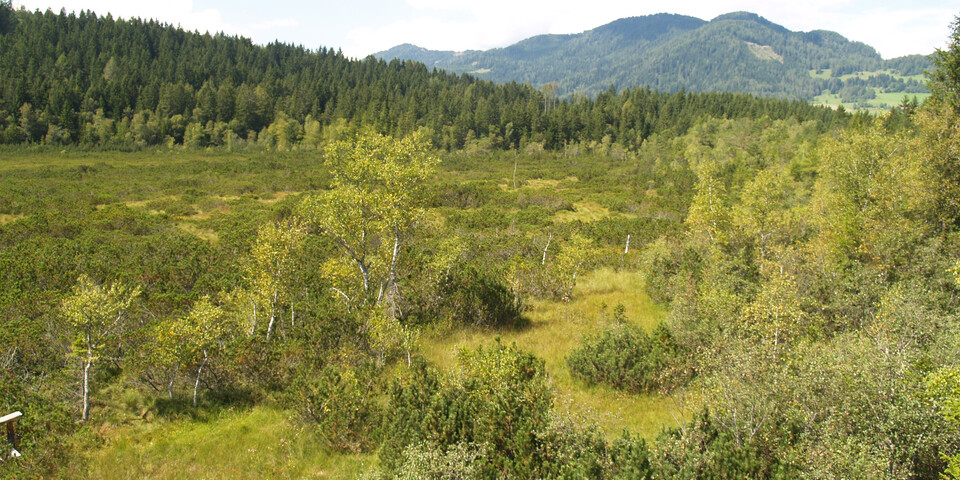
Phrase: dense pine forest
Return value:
(95, 81)
(224, 260)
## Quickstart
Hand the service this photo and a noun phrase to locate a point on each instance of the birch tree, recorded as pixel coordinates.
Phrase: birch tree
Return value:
(205, 330)
(708, 216)
(374, 201)
(271, 263)
(575, 252)
(189, 341)
(96, 313)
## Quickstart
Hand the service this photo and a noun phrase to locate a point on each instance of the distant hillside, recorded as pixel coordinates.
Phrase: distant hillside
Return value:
(736, 52)
(96, 81)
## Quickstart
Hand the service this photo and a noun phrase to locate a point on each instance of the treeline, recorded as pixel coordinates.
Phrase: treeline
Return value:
(96, 81)
(909, 64)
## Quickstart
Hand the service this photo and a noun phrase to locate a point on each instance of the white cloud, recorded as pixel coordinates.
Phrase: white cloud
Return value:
(278, 23)
(897, 33)
(436, 33)
(893, 31)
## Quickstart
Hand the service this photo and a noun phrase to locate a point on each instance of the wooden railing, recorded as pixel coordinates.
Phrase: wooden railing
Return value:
(10, 421)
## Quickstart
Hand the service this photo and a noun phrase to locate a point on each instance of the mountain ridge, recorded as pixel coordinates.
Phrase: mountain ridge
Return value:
(672, 52)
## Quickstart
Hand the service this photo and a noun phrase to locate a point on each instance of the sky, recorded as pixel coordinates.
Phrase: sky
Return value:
(363, 27)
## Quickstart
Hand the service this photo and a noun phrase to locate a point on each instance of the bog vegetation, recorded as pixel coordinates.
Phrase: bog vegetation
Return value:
(382, 291)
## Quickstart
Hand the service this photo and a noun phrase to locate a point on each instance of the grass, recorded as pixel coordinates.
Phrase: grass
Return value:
(826, 75)
(6, 218)
(882, 103)
(264, 442)
(587, 211)
(259, 443)
(201, 233)
(556, 329)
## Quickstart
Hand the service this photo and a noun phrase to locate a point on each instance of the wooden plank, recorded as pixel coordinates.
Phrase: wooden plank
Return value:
(9, 418)
(10, 422)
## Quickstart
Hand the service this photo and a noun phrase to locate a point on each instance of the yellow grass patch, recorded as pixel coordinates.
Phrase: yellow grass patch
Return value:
(6, 218)
(254, 444)
(202, 233)
(556, 329)
(277, 196)
(143, 203)
(541, 183)
(587, 211)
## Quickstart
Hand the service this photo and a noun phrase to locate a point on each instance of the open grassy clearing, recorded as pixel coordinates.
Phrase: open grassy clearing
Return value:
(827, 74)
(556, 329)
(249, 444)
(7, 218)
(882, 103)
(583, 211)
(266, 442)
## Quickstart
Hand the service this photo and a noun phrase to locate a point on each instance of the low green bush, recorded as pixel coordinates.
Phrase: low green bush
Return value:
(498, 398)
(625, 357)
(470, 297)
(339, 401)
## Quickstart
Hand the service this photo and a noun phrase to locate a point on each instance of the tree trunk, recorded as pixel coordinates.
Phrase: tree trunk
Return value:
(86, 388)
(549, 239)
(173, 379)
(516, 160)
(253, 329)
(365, 271)
(86, 379)
(273, 316)
(196, 384)
(392, 286)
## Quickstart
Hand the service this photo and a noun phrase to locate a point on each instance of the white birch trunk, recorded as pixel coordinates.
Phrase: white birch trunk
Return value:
(273, 316)
(544, 260)
(196, 384)
(86, 379)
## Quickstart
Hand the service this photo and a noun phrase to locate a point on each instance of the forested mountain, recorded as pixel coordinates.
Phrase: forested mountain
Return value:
(93, 80)
(736, 52)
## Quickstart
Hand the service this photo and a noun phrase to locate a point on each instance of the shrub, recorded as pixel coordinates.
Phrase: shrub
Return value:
(43, 433)
(471, 297)
(339, 401)
(625, 357)
(704, 450)
(427, 461)
(498, 397)
(571, 448)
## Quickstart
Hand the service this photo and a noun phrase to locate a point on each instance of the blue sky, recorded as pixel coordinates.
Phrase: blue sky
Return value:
(362, 27)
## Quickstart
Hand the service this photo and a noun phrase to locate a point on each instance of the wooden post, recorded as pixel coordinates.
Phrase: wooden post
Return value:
(10, 421)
